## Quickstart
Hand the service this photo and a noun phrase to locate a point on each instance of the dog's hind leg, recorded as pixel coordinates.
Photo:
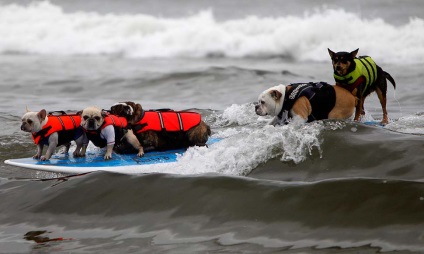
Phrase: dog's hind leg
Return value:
(198, 136)
(381, 90)
(67, 146)
(359, 108)
(383, 101)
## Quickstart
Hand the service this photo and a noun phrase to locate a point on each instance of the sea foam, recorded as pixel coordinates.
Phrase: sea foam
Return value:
(44, 28)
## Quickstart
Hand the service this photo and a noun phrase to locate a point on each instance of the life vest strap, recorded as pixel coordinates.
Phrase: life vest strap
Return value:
(113, 120)
(61, 122)
(180, 121)
(162, 125)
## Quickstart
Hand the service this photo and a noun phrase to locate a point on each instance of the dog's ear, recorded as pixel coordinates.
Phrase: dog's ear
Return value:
(354, 53)
(116, 109)
(42, 115)
(331, 53)
(104, 113)
(27, 110)
(276, 95)
(138, 109)
(79, 113)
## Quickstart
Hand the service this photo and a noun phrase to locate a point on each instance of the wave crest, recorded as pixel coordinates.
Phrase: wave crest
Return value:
(44, 28)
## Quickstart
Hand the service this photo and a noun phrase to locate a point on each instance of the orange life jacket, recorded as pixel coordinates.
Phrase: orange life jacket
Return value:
(116, 121)
(119, 124)
(167, 121)
(65, 125)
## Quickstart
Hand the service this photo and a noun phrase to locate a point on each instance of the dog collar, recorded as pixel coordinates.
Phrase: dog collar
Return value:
(284, 113)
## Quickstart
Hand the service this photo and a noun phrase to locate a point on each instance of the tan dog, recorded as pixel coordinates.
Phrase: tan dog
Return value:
(164, 129)
(305, 102)
(54, 131)
(105, 130)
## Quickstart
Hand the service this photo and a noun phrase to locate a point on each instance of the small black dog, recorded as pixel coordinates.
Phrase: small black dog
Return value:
(361, 76)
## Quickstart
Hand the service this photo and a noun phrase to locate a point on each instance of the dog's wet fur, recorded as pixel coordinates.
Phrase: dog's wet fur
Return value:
(343, 63)
(271, 102)
(161, 140)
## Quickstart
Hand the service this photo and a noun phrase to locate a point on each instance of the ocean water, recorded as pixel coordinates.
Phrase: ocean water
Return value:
(322, 187)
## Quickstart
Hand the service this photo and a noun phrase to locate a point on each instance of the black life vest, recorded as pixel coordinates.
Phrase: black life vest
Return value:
(321, 95)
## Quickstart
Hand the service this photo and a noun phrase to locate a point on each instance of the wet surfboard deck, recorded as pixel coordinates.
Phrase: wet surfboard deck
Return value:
(94, 161)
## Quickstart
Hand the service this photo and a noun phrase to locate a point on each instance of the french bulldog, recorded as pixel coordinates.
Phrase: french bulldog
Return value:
(305, 102)
(54, 131)
(107, 130)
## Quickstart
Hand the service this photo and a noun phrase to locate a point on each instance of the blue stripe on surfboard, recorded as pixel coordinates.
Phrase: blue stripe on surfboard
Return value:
(95, 159)
(374, 123)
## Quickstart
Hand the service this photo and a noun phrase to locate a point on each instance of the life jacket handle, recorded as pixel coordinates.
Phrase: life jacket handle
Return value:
(57, 111)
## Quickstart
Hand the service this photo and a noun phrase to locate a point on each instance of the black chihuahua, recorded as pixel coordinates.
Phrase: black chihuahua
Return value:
(361, 76)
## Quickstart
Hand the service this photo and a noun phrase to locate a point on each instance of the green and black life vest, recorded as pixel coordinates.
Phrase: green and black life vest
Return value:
(365, 71)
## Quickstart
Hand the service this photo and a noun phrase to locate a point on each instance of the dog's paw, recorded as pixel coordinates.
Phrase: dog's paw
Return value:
(108, 156)
(44, 158)
(37, 156)
(78, 154)
(140, 154)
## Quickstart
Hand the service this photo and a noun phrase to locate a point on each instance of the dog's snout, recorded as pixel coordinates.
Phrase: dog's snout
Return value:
(91, 123)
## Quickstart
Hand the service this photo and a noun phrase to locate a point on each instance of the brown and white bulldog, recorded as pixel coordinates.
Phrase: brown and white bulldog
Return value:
(163, 129)
(305, 102)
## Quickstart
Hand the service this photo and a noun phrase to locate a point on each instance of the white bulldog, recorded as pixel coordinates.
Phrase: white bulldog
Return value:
(48, 130)
(305, 102)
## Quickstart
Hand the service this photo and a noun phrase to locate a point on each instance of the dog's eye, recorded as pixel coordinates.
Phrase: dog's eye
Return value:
(340, 60)
(29, 121)
(262, 102)
(85, 117)
(97, 118)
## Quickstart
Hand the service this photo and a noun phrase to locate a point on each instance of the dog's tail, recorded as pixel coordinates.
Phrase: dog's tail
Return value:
(389, 77)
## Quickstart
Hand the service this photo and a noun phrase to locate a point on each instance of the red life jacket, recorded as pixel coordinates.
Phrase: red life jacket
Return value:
(64, 124)
(119, 124)
(116, 121)
(167, 121)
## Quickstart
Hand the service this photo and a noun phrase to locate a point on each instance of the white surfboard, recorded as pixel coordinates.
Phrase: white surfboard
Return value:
(94, 161)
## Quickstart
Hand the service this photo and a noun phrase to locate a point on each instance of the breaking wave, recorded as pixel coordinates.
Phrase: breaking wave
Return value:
(44, 28)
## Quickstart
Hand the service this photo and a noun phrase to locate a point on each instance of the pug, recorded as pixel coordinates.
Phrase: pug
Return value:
(107, 130)
(164, 129)
(305, 102)
(54, 131)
